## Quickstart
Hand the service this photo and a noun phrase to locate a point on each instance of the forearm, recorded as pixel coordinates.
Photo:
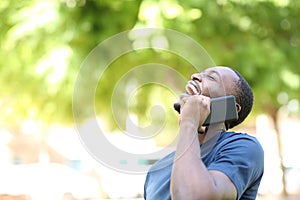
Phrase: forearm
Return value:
(190, 178)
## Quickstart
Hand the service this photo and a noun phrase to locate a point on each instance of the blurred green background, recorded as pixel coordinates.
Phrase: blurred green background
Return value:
(44, 43)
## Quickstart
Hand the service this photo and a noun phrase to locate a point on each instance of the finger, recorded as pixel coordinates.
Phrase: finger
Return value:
(183, 96)
(205, 102)
(183, 99)
(204, 99)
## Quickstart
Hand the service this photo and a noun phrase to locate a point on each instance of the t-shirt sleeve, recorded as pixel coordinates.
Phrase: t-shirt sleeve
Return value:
(241, 159)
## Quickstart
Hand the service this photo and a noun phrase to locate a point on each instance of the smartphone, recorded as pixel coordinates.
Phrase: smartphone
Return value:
(222, 109)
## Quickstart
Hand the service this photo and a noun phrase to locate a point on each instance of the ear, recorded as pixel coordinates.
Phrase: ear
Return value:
(238, 107)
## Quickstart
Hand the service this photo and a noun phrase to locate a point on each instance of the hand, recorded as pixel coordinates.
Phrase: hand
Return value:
(194, 109)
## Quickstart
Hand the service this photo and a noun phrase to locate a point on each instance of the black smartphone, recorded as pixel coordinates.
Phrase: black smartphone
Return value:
(222, 109)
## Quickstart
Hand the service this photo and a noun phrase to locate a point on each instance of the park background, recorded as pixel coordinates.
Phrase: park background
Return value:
(44, 43)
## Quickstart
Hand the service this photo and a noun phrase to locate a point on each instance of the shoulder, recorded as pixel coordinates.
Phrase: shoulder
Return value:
(240, 146)
(231, 136)
(240, 141)
(241, 158)
(238, 153)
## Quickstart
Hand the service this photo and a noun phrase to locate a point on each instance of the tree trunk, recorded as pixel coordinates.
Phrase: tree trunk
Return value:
(274, 116)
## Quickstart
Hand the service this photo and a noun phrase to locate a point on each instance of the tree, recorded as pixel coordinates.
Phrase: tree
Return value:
(43, 44)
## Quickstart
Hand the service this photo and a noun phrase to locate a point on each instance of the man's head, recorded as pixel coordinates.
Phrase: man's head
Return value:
(221, 81)
(244, 97)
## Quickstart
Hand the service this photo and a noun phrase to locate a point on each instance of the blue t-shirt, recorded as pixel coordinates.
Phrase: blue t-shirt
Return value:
(238, 155)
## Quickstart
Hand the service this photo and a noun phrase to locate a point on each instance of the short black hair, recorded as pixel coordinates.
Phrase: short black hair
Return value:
(244, 97)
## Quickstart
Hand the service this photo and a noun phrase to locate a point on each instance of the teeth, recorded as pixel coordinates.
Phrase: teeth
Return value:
(188, 89)
(193, 88)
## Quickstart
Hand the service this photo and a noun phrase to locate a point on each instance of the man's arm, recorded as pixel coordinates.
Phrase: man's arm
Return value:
(190, 178)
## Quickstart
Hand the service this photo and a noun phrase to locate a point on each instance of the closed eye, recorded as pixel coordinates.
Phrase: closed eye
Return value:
(210, 77)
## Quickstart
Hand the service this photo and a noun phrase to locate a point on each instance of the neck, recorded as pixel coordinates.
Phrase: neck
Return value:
(210, 132)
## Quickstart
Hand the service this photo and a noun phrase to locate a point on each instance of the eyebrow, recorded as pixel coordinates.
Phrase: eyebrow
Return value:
(212, 71)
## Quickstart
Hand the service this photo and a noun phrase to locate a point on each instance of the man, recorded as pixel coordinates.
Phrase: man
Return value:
(209, 162)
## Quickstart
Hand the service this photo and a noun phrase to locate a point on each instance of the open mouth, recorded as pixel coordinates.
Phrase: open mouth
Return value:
(193, 88)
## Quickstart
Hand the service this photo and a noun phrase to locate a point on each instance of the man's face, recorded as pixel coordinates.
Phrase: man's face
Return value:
(213, 82)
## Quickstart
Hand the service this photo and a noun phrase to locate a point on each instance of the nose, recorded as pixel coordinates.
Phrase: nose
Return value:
(197, 77)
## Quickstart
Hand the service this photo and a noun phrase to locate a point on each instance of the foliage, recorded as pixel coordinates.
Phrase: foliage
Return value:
(43, 44)
(260, 39)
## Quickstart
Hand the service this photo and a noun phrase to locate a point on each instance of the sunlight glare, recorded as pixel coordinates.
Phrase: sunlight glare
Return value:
(172, 10)
(55, 64)
(45, 10)
(290, 79)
